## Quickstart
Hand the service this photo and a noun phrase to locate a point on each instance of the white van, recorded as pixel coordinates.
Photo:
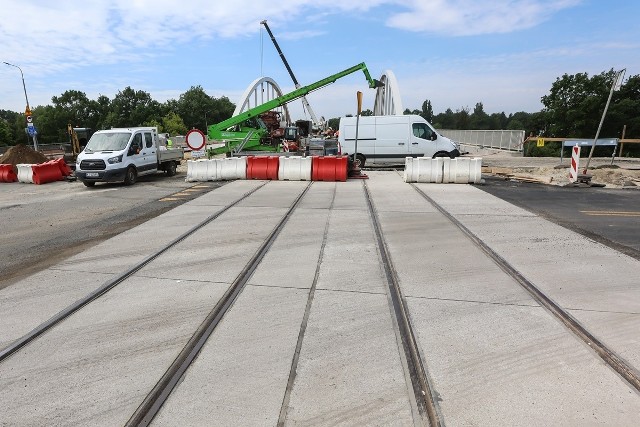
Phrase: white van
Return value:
(123, 154)
(389, 139)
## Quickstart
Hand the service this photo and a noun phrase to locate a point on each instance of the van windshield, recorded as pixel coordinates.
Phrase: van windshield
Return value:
(112, 141)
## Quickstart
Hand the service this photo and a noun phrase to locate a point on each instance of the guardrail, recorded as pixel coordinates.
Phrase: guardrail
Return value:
(511, 140)
(566, 142)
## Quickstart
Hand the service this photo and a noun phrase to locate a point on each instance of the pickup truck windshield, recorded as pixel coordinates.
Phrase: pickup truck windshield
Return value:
(113, 141)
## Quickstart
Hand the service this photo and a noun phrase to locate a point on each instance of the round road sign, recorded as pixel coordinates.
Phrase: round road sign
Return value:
(29, 119)
(195, 139)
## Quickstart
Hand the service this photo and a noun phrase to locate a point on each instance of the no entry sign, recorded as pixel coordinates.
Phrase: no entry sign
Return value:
(196, 139)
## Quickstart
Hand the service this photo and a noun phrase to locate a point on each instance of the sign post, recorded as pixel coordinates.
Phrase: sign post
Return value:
(355, 146)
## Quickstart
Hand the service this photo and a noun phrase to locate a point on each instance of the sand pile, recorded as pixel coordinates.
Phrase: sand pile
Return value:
(22, 154)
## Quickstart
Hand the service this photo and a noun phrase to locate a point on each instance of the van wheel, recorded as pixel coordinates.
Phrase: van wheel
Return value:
(171, 169)
(441, 154)
(130, 176)
(88, 183)
(360, 159)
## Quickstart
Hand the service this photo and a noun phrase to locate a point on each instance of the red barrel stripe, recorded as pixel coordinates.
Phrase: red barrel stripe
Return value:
(329, 168)
(262, 167)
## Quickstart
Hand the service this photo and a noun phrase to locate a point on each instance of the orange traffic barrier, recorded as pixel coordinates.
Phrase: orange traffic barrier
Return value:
(46, 172)
(62, 165)
(329, 168)
(7, 174)
(263, 167)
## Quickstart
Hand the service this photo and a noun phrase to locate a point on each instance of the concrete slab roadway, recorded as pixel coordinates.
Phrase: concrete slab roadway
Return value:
(495, 357)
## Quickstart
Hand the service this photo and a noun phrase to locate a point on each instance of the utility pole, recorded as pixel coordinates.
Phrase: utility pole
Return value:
(27, 112)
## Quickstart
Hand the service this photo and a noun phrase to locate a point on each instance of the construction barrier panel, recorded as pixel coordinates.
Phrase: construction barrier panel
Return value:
(46, 172)
(25, 173)
(460, 170)
(262, 167)
(233, 168)
(329, 168)
(7, 174)
(295, 168)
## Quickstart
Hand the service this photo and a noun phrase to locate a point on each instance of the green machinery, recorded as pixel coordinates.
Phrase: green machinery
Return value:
(246, 131)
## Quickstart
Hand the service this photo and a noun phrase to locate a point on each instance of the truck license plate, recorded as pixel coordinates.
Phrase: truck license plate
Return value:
(92, 174)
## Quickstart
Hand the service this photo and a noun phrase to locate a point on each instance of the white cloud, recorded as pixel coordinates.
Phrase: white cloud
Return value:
(472, 17)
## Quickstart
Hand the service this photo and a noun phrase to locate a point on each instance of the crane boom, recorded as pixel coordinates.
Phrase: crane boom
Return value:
(293, 77)
(291, 96)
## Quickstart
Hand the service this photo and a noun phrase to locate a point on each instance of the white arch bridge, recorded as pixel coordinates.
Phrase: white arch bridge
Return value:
(262, 90)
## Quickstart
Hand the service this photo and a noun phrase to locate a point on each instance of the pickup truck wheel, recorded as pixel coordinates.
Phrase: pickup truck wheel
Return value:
(171, 169)
(88, 183)
(130, 176)
(360, 159)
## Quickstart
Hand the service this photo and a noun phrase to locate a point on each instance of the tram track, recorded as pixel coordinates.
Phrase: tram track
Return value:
(628, 372)
(423, 391)
(109, 285)
(154, 400)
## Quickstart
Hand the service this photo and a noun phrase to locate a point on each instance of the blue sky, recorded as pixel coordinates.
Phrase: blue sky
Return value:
(503, 53)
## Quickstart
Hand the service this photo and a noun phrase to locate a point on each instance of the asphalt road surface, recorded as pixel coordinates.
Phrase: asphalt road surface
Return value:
(41, 224)
(608, 216)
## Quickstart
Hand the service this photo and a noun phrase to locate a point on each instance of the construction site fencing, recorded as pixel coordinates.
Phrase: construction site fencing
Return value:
(499, 139)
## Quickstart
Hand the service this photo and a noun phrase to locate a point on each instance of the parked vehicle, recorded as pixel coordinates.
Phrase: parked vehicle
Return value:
(123, 154)
(389, 139)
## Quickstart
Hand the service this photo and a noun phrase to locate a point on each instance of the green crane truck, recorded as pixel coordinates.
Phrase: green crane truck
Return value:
(246, 131)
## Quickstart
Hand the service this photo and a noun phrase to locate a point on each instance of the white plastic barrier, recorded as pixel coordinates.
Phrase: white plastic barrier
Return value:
(217, 169)
(25, 173)
(294, 168)
(423, 169)
(197, 170)
(460, 170)
(233, 168)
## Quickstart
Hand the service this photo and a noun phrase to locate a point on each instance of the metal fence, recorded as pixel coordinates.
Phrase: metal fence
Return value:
(500, 139)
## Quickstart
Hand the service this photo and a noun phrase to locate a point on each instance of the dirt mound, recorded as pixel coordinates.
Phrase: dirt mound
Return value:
(22, 154)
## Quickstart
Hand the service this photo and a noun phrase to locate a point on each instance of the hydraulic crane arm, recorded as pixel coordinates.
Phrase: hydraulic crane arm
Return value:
(291, 96)
(293, 77)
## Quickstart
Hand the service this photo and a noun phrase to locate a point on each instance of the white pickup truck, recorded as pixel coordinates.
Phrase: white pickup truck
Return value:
(123, 154)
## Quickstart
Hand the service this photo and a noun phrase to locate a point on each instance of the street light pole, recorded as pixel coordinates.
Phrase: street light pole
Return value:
(28, 110)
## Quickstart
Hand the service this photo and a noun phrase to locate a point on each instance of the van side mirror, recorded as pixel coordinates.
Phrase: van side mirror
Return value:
(433, 136)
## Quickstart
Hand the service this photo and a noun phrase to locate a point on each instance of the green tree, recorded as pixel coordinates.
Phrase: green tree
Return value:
(445, 120)
(366, 112)
(173, 124)
(132, 108)
(575, 104)
(16, 133)
(427, 111)
(462, 119)
(5, 133)
(196, 108)
(479, 120)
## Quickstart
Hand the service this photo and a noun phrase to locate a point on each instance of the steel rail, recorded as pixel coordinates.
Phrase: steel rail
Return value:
(154, 400)
(422, 389)
(293, 370)
(627, 371)
(106, 287)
